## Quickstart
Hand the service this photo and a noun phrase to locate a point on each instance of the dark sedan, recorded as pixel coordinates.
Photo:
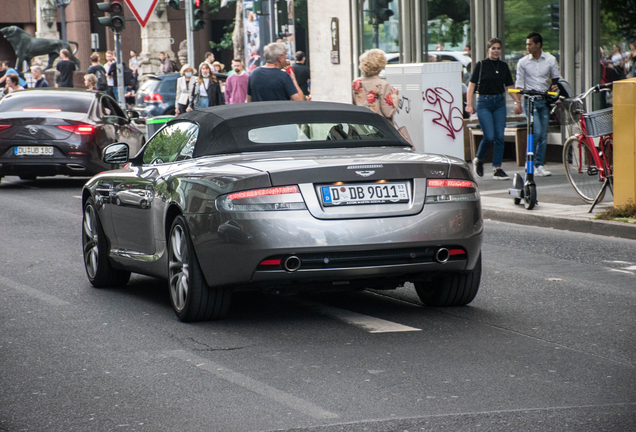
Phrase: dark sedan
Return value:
(283, 196)
(61, 132)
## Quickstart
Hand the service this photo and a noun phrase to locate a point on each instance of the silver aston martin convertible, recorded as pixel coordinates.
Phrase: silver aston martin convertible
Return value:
(283, 196)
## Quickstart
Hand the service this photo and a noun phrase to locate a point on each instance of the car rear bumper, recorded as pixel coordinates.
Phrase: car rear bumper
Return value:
(38, 166)
(353, 248)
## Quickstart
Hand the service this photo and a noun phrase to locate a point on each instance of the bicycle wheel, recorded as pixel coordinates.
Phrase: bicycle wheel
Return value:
(581, 170)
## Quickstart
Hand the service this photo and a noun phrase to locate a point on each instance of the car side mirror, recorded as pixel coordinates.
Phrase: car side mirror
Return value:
(132, 114)
(117, 153)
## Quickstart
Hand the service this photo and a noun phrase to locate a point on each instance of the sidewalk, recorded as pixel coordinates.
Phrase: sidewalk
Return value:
(559, 206)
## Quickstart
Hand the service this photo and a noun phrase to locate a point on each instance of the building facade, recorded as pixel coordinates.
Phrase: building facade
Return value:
(416, 29)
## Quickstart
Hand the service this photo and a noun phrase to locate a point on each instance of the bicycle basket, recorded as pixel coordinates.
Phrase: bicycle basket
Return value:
(568, 111)
(599, 123)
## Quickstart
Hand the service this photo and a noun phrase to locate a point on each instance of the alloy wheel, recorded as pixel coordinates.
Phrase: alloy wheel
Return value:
(179, 268)
(91, 241)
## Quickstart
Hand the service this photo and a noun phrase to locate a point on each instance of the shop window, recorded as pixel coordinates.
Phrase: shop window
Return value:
(448, 25)
(380, 25)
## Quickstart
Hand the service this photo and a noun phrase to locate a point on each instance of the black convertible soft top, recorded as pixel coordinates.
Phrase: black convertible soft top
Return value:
(224, 129)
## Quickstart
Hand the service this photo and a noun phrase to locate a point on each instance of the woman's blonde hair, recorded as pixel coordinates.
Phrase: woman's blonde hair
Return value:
(372, 62)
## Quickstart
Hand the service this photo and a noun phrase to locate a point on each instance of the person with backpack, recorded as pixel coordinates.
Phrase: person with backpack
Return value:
(112, 72)
(100, 73)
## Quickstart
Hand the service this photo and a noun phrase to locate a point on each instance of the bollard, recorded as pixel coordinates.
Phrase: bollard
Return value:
(624, 142)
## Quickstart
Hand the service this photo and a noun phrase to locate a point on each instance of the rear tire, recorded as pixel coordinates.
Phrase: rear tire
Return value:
(581, 170)
(192, 299)
(98, 268)
(451, 289)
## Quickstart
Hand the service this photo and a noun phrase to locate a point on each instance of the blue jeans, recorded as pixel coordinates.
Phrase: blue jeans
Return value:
(204, 102)
(491, 112)
(540, 129)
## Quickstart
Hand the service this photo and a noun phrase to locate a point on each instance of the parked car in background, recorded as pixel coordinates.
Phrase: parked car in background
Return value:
(156, 96)
(46, 132)
(283, 197)
(442, 56)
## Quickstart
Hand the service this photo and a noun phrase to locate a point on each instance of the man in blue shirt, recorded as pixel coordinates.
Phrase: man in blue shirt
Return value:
(269, 82)
(6, 66)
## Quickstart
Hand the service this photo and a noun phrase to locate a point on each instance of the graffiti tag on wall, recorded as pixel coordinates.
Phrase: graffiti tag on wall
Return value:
(448, 116)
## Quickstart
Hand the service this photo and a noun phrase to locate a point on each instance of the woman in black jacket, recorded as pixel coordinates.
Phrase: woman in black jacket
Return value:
(205, 91)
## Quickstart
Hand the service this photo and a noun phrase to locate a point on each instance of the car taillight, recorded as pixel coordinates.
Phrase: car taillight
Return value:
(78, 129)
(268, 199)
(440, 190)
(3, 127)
(153, 98)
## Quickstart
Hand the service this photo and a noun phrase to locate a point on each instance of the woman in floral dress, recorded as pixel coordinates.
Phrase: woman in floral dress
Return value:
(371, 91)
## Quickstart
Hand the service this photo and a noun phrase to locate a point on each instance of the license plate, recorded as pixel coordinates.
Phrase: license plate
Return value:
(365, 193)
(33, 151)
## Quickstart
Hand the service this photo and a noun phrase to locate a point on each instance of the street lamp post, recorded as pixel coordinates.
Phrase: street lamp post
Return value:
(62, 5)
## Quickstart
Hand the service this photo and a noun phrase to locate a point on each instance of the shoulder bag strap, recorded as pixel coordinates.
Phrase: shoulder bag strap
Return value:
(481, 67)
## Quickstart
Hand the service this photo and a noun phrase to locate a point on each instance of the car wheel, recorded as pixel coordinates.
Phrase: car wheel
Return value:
(450, 289)
(98, 268)
(191, 297)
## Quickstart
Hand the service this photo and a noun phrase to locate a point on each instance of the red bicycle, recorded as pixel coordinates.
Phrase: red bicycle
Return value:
(587, 153)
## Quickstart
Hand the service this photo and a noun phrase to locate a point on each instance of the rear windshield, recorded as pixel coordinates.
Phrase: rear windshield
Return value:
(169, 86)
(55, 102)
(150, 86)
(288, 133)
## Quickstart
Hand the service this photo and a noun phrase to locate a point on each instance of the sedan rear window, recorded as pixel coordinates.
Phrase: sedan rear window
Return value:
(36, 102)
(288, 133)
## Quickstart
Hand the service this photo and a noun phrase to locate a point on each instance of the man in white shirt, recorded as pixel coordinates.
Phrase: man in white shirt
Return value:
(533, 73)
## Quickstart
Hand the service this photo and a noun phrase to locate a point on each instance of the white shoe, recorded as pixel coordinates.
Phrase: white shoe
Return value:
(542, 172)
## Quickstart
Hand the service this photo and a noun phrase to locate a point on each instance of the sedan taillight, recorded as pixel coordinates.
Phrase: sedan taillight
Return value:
(81, 129)
(3, 127)
(153, 98)
(440, 190)
(268, 199)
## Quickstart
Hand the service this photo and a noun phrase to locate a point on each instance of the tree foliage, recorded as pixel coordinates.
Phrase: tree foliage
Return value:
(524, 17)
(618, 20)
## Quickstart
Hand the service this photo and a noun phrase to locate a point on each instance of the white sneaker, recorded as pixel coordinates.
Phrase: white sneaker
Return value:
(542, 172)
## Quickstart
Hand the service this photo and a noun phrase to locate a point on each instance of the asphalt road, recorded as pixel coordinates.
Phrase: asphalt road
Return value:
(548, 344)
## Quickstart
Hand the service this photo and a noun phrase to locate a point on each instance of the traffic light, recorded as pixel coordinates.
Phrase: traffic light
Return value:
(197, 16)
(282, 16)
(257, 7)
(174, 4)
(554, 15)
(115, 19)
(382, 11)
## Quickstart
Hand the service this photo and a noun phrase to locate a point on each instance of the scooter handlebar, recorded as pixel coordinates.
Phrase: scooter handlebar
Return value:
(533, 92)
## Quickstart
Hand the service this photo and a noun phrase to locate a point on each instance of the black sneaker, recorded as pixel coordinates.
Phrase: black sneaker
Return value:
(478, 168)
(500, 174)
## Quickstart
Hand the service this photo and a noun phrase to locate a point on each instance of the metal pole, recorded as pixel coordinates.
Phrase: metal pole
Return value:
(272, 22)
(120, 72)
(189, 35)
(63, 16)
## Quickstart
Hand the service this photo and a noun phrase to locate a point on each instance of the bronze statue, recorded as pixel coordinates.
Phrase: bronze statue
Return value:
(26, 47)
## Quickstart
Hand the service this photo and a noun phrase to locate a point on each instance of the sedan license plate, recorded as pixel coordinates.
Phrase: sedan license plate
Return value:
(33, 151)
(365, 193)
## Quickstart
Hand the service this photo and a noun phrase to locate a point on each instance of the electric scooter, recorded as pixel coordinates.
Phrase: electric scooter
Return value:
(521, 189)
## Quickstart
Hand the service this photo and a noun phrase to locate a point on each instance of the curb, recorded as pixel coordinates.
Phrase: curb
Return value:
(583, 225)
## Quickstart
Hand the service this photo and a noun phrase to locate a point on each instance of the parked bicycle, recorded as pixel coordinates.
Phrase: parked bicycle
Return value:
(588, 162)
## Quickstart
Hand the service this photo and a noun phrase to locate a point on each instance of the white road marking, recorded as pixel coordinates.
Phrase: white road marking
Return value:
(630, 268)
(252, 385)
(52, 300)
(618, 262)
(622, 271)
(365, 322)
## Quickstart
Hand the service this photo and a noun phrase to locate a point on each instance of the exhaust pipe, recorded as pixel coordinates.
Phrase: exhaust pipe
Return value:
(442, 255)
(291, 263)
(76, 167)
